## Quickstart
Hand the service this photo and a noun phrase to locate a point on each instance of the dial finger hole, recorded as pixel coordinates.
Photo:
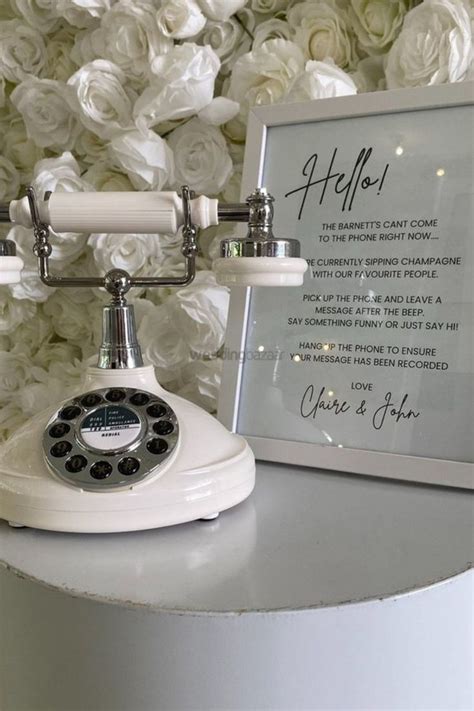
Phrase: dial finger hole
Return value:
(157, 446)
(164, 427)
(60, 449)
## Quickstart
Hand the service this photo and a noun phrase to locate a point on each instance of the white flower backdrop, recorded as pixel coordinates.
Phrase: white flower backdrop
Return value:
(151, 94)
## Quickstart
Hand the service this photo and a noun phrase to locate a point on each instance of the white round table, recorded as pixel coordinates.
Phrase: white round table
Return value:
(322, 591)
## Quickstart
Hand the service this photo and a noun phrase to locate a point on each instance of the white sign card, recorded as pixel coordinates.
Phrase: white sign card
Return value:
(368, 367)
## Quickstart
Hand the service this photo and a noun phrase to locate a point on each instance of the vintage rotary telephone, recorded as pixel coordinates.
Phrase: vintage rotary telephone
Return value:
(124, 454)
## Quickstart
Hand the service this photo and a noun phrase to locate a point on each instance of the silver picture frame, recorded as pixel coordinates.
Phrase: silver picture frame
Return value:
(358, 461)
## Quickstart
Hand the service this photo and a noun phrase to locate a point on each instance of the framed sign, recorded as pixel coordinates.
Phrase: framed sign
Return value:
(368, 367)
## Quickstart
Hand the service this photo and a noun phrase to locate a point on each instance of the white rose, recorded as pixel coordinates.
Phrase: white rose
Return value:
(264, 76)
(61, 380)
(59, 174)
(434, 46)
(35, 397)
(221, 10)
(84, 266)
(237, 152)
(322, 30)
(71, 320)
(62, 174)
(171, 251)
(322, 80)
(5, 343)
(30, 287)
(6, 11)
(145, 157)
(46, 108)
(142, 307)
(13, 312)
(59, 64)
(82, 13)
(224, 38)
(70, 375)
(104, 179)
(370, 74)
(29, 336)
(378, 22)
(180, 19)
(267, 6)
(11, 419)
(103, 104)
(40, 14)
(88, 45)
(182, 84)
(130, 252)
(199, 313)
(202, 380)
(201, 158)
(131, 37)
(9, 180)
(22, 51)
(90, 147)
(271, 29)
(15, 372)
(49, 353)
(233, 187)
(7, 114)
(219, 111)
(162, 344)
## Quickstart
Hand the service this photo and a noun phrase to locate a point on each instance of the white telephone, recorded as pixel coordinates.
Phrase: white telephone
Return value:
(124, 454)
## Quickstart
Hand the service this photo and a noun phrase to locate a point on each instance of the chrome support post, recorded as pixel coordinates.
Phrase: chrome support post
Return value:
(119, 347)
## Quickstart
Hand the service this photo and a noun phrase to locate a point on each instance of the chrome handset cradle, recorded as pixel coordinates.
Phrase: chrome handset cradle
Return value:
(244, 261)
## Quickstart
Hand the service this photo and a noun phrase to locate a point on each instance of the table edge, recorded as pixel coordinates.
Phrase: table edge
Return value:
(313, 607)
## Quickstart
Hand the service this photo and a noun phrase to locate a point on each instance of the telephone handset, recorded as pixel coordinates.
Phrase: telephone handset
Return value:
(123, 454)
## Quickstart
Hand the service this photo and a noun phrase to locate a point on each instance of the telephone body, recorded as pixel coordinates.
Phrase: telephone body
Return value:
(123, 454)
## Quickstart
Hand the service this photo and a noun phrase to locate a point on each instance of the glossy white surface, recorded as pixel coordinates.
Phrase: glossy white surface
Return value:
(260, 271)
(10, 270)
(210, 470)
(304, 539)
(137, 212)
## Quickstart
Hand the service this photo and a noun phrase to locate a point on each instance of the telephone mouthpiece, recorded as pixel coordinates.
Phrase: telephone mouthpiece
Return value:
(271, 262)
(10, 264)
(260, 258)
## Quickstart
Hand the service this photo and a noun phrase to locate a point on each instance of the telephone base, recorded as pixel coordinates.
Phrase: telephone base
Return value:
(208, 471)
